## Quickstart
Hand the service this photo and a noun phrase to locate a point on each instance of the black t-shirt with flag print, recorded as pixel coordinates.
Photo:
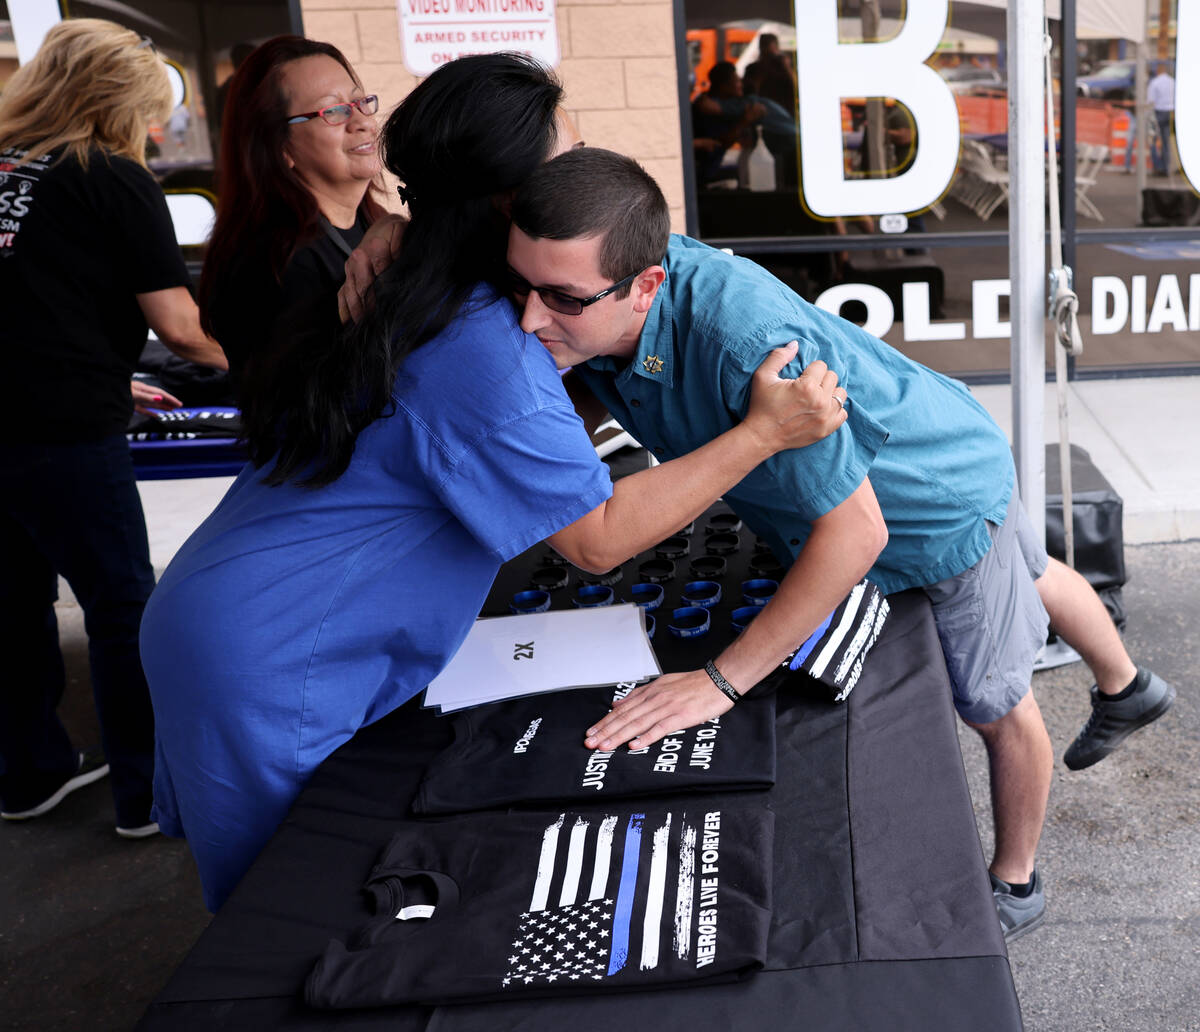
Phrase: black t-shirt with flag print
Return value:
(492, 906)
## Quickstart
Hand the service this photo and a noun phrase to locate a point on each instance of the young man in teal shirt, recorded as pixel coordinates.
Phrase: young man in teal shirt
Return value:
(916, 489)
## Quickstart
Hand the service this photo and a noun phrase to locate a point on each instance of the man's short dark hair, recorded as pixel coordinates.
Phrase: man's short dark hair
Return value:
(589, 192)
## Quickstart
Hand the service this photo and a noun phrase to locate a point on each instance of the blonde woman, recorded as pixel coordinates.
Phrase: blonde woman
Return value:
(88, 259)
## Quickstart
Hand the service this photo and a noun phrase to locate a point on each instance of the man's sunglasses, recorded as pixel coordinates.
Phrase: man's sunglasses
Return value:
(556, 300)
(339, 114)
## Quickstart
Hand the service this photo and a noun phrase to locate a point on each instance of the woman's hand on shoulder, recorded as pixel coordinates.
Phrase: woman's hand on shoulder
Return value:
(380, 246)
(792, 413)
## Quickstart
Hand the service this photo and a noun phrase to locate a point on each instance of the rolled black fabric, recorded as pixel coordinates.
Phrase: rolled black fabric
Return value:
(531, 751)
(835, 652)
(508, 905)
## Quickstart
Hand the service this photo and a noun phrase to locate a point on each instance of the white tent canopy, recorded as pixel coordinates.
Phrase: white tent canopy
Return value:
(1094, 19)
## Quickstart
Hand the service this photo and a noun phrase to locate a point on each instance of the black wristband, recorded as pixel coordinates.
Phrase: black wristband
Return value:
(549, 578)
(728, 690)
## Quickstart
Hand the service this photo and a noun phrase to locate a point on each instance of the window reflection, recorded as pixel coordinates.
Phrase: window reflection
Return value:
(945, 305)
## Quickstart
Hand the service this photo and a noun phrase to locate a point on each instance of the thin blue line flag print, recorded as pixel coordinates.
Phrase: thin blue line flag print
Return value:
(577, 929)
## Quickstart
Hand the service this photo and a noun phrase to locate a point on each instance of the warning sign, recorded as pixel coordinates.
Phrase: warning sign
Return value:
(436, 31)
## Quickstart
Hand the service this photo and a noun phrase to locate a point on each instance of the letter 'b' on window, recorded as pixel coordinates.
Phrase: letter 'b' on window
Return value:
(829, 71)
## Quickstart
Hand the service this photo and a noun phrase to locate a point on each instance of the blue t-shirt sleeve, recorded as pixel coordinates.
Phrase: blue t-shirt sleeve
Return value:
(527, 479)
(817, 479)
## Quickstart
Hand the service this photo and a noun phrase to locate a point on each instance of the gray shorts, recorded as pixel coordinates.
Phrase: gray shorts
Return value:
(991, 621)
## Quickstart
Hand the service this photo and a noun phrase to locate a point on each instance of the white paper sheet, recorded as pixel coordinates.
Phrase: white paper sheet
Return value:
(508, 656)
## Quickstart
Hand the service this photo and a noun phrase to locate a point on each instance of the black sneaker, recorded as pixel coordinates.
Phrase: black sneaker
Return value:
(1112, 722)
(1019, 914)
(91, 768)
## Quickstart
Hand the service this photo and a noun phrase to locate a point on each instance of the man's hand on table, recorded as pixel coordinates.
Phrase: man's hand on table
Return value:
(673, 702)
(380, 246)
(793, 413)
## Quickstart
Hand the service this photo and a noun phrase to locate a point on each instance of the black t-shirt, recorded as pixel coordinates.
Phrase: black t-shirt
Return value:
(531, 750)
(76, 247)
(543, 904)
(247, 301)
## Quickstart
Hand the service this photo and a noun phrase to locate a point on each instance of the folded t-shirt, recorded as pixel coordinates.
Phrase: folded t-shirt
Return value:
(531, 751)
(497, 905)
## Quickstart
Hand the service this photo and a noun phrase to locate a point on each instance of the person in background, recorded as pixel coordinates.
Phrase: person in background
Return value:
(721, 117)
(237, 54)
(299, 154)
(394, 467)
(88, 260)
(772, 74)
(1160, 92)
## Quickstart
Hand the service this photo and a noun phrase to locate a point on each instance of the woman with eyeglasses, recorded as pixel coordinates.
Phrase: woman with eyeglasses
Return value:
(394, 467)
(88, 259)
(298, 158)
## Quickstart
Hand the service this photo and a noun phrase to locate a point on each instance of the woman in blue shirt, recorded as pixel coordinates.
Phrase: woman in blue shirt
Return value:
(393, 470)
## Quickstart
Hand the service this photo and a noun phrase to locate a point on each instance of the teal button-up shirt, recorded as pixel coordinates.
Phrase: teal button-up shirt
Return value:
(940, 467)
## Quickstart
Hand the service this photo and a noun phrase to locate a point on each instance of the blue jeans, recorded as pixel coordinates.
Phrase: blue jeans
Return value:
(1162, 142)
(74, 510)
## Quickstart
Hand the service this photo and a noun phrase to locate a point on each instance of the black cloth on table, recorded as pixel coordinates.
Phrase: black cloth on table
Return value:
(882, 914)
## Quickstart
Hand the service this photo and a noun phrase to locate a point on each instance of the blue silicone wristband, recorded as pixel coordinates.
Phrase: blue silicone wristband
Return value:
(698, 618)
(758, 591)
(592, 595)
(648, 596)
(742, 616)
(704, 593)
(533, 601)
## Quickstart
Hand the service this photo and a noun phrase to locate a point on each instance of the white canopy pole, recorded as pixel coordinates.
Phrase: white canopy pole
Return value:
(1027, 252)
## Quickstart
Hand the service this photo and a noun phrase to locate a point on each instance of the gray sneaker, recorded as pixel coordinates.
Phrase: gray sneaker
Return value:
(1112, 722)
(1019, 914)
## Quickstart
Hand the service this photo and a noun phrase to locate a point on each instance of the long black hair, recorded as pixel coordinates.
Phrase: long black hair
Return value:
(475, 129)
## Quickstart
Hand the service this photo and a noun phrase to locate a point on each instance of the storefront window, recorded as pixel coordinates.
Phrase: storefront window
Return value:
(896, 206)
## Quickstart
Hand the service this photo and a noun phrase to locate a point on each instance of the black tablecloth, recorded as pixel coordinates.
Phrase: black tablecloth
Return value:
(883, 913)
